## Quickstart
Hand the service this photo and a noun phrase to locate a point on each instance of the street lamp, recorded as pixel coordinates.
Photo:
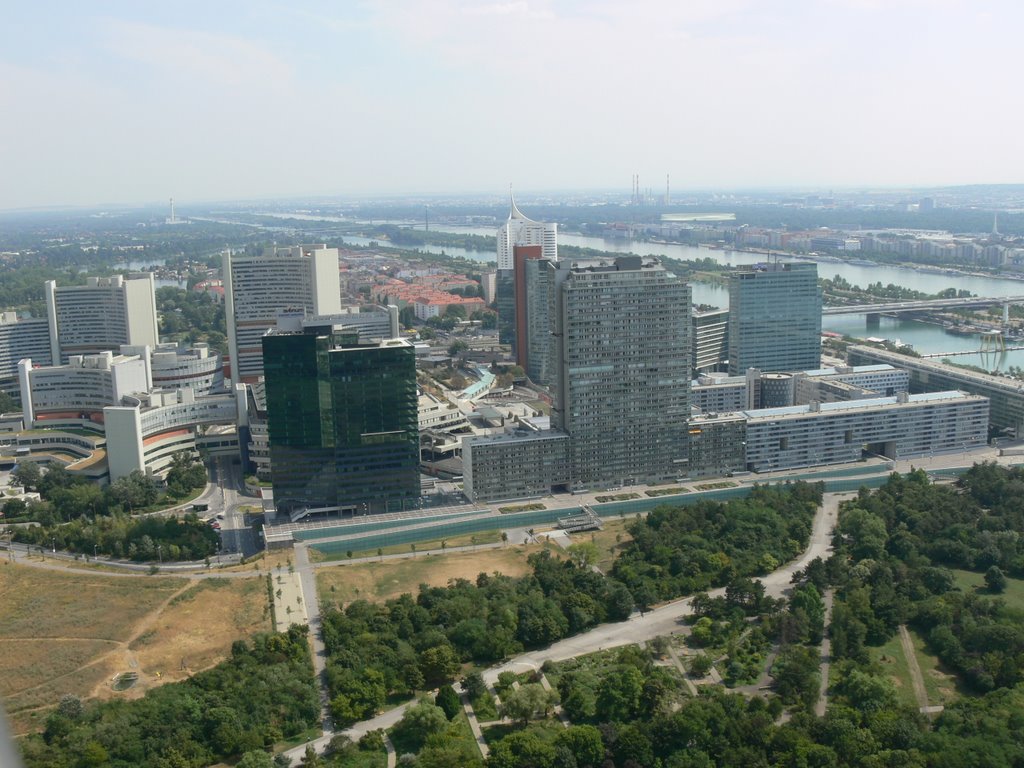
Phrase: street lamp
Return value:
(95, 551)
(160, 553)
(53, 544)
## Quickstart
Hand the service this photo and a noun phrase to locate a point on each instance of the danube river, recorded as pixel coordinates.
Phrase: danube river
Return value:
(924, 337)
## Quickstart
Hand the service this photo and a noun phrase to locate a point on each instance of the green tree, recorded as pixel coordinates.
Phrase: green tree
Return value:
(27, 474)
(584, 742)
(420, 721)
(528, 701)
(256, 758)
(995, 581)
(448, 700)
(438, 665)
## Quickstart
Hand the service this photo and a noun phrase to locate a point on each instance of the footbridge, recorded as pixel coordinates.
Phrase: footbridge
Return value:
(925, 305)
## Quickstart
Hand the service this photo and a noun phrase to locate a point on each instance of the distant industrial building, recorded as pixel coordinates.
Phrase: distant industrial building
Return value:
(101, 315)
(258, 288)
(774, 318)
(342, 422)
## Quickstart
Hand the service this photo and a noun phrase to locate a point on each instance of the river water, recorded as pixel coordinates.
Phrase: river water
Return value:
(924, 337)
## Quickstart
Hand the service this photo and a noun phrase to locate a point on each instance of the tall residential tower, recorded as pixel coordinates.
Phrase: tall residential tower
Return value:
(621, 363)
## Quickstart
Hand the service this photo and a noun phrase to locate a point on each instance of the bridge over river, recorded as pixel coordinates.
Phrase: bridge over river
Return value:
(972, 302)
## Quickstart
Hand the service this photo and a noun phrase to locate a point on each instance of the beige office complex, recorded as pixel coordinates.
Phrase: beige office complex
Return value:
(101, 315)
(257, 289)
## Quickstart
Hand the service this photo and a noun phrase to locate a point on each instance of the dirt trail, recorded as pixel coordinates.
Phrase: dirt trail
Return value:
(915, 670)
(142, 626)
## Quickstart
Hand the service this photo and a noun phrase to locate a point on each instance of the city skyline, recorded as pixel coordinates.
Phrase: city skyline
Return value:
(130, 104)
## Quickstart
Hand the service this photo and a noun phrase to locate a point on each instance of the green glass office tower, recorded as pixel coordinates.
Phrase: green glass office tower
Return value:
(774, 318)
(341, 418)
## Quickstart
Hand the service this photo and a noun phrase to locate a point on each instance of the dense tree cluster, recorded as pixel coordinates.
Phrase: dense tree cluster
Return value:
(264, 693)
(900, 544)
(190, 316)
(78, 515)
(680, 550)
(411, 643)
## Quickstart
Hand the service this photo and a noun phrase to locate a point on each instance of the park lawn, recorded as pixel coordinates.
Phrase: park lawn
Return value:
(610, 541)
(969, 581)
(893, 663)
(547, 729)
(358, 758)
(68, 633)
(597, 662)
(391, 578)
(941, 686)
(43, 604)
(459, 734)
(466, 540)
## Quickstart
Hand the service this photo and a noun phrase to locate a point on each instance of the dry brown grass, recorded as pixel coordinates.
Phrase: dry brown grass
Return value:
(64, 633)
(391, 578)
(195, 631)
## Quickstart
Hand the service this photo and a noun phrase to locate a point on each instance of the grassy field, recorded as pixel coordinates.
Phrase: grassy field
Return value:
(466, 540)
(391, 578)
(610, 540)
(458, 727)
(894, 665)
(969, 581)
(197, 628)
(66, 633)
(941, 686)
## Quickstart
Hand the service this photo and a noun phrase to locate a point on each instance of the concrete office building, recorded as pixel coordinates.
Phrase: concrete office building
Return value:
(76, 393)
(21, 337)
(718, 393)
(301, 278)
(774, 318)
(342, 422)
(144, 432)
(537, 324)
(173, 367)
(1005, 395)
(710, 336)
(717, 445)
(101, 315)
(621, 354)
(515, 465)
(898, 427)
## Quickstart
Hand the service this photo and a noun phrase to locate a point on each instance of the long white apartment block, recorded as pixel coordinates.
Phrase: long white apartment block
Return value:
(900, 427)
(258, 288)
(101, 315)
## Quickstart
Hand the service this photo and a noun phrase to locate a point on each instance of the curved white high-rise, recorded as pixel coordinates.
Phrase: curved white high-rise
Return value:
(519, 230)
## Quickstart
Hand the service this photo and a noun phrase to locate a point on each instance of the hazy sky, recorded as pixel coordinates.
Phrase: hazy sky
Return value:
(132, 102)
